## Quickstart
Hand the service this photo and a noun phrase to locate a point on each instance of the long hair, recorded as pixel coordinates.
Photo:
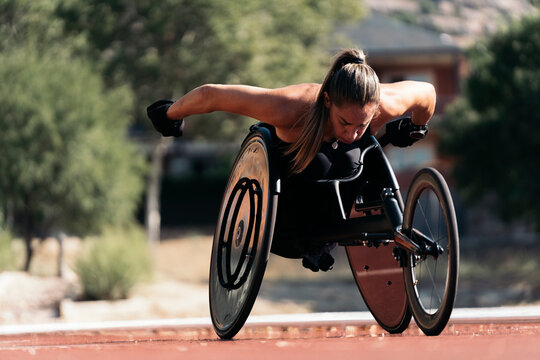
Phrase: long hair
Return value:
(349, 80)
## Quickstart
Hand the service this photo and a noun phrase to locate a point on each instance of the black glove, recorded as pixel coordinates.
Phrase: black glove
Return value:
(402, 132)
(157, 112)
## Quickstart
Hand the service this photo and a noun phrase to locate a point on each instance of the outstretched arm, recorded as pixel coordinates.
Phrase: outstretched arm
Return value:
(274, 106)
(414, 97)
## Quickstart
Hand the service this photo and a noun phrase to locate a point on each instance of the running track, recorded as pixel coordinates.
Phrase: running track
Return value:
(499, 333)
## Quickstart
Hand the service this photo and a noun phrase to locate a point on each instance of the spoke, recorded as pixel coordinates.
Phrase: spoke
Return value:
(434, 287)
(434, 280)
(434, 276)
(424, 216)
(438, 225)
(434, 293)
(444, 237)
(418, 276)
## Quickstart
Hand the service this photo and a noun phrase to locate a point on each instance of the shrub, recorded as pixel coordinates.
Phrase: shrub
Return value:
(112, 264)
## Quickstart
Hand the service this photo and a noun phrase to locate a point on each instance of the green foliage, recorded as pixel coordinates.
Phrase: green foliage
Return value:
(428, 6)
(65, 163)
(35, 22)
(20, 20)
(112, 264)
(492, 131)
(166, 48)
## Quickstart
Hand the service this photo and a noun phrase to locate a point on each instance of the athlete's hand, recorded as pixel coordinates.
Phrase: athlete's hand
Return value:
(402, 132)
(157, 112)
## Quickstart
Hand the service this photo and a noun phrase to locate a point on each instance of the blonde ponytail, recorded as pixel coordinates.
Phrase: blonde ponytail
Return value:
(349, 80)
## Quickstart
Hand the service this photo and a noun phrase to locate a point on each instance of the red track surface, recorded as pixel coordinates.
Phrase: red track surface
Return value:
(498, 339)
(502, 333)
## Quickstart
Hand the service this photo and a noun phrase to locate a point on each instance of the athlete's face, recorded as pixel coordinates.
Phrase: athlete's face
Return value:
(349, 121)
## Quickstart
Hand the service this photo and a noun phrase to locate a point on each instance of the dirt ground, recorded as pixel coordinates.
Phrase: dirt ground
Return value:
(177, 288)
(180, 287)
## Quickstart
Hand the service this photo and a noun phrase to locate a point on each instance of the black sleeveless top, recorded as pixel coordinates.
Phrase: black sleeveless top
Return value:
(329, 163)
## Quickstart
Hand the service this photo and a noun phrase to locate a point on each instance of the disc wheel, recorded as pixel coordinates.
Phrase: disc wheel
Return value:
(431, 278)
(242, 238)
(380, 281)
(379, 278)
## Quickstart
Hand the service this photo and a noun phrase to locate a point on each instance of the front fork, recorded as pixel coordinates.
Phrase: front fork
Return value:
(421, 246)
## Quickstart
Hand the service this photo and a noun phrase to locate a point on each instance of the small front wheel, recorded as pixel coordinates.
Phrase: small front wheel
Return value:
(431, 277)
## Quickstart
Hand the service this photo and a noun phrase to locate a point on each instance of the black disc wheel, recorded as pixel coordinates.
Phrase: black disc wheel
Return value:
(242, 237)
(431, 277)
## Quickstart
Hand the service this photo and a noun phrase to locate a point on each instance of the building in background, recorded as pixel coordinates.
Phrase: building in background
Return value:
(399, 51)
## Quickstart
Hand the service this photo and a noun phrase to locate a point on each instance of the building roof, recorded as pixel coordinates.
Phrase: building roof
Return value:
(379, 35)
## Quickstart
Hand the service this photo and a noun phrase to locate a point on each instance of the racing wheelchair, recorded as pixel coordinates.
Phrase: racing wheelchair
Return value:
(404, 257)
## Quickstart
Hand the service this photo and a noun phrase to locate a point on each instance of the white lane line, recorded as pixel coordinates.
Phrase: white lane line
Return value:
(105, 325)
(522, 313)
(497, 313)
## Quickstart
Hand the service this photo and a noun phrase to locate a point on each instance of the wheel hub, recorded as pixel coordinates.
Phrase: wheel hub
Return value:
(239, 233)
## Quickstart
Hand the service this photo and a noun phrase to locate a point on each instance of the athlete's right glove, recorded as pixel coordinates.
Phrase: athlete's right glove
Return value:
(402, 132)
(157, 112)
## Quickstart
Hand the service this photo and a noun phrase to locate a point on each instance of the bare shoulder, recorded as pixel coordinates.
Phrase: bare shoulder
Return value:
(405, 96)
(300, 91)
(402, 97)
(294, 100)
(395, 95)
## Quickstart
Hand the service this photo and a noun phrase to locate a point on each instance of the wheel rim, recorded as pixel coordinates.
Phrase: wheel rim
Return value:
(430, 273)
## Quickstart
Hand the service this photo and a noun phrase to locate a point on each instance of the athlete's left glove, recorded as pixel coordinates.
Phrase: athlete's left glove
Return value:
(157, 112)
(402, 132)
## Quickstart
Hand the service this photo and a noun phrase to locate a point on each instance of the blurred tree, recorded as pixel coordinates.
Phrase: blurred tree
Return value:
(65, 162)
(493, 130)
(35, 22)
(164, 48)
